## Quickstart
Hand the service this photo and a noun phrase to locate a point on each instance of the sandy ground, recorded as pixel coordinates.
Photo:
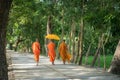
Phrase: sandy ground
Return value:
(22, 67)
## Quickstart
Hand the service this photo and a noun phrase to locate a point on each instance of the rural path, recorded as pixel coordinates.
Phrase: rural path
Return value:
(24, 68)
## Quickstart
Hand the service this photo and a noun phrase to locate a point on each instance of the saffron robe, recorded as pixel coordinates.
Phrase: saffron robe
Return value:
(51, 51)
(64, 52)
(36, 50)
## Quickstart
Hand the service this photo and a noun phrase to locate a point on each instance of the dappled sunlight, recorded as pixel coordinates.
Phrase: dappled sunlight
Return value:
(24, 68)
(25, 64)
(20, 71)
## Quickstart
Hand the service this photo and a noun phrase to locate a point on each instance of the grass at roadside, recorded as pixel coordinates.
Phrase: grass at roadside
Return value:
(108, 61)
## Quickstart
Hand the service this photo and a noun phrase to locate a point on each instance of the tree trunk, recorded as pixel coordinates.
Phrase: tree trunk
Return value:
(87, 54)
(115, 65)
(73, 40)
(104, 57)
(97, 53)
(77, 49)
(81, 42)
(49, 27)
(4, 12)
(18, 41)
(100, 45)
(48, 32)
(81, 34)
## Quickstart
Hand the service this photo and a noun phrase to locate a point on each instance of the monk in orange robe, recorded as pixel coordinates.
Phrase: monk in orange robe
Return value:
(36, 51)
(51, 52)
(65, 56)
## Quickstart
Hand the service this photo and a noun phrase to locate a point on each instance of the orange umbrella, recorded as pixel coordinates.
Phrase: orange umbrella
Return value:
(52, 36)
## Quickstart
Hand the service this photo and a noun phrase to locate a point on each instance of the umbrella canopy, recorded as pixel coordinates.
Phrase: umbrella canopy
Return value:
(52, 36)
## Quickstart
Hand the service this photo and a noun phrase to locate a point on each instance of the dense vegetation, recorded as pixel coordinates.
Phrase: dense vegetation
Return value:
(94, 24)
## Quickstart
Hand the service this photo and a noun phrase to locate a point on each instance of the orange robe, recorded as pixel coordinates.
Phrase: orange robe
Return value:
(64, 52)
(51, 51)
(36, 50)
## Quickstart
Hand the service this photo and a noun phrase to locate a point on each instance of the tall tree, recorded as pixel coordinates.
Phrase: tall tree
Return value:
(81, 32)
(4, 12)
(115, 65)
(73, 27)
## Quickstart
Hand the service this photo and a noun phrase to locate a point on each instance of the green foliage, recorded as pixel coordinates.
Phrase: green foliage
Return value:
(108, 61)
(28, 19)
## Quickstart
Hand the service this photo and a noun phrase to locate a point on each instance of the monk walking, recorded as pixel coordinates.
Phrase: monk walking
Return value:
(36, 51)
(51, 51)
(64, 52)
